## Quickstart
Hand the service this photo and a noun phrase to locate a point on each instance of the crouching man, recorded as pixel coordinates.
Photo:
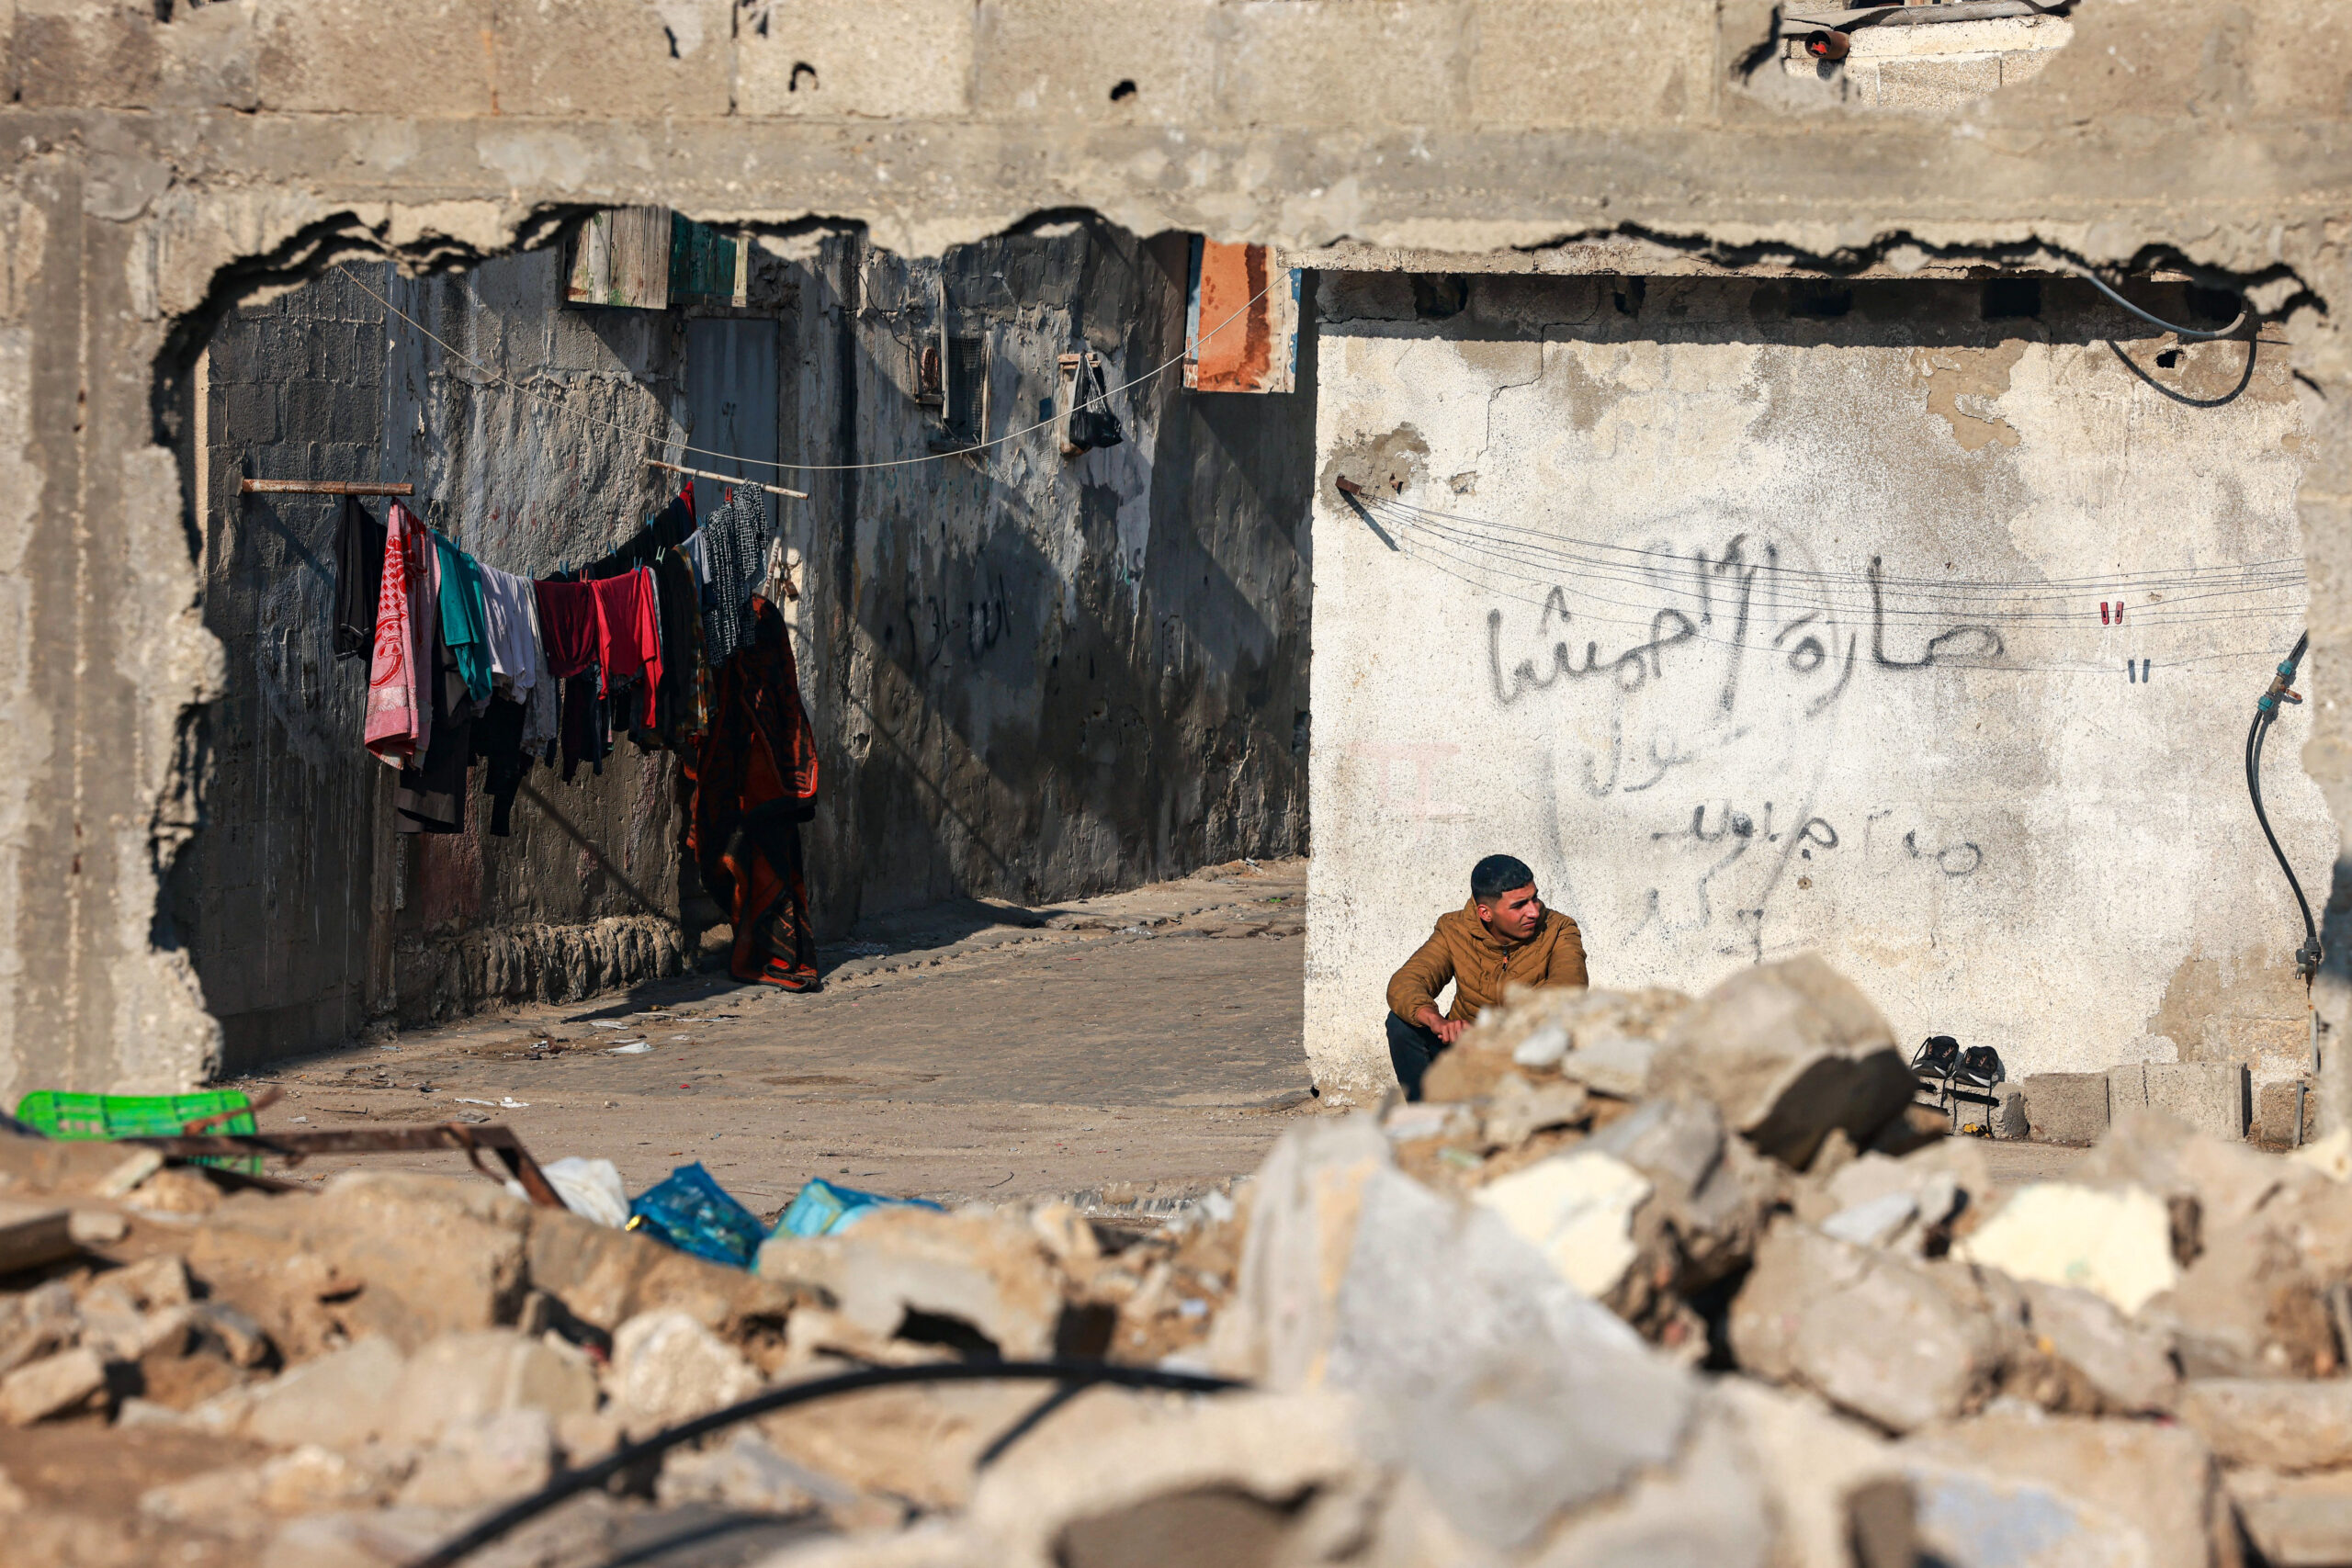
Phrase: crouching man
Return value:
(1504, 935)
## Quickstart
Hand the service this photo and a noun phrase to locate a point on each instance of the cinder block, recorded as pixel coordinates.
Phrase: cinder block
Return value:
(616, 60)
(2274, 1119)
(2066, 1108)
(2209, 1096)
(2126, 1087)
(326, 56)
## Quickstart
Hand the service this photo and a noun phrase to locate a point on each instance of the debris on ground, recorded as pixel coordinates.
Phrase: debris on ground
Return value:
(1646, 1279)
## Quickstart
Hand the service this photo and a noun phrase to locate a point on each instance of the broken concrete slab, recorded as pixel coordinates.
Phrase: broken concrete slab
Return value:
(1791, 1052)
(2066, 1108)
(34, 1234)
(50, 1386)
(436, 1254)
(487, 1457)
(464, 1377)
(2126, 1366)
(2296, 1521)
(1577, 1210)
(2249, 1306)
(605, 1276)
(1813, 1462)
(2271, 1424)
(1510, 1392)
(1712, 1506)
(667, 1367)
(984, 1270)
(2156, 1485)
(2115, 1244)
(1898, 1343)
(339, 1400)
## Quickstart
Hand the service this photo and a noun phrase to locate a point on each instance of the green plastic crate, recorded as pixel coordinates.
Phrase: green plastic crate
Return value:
(57, 1114)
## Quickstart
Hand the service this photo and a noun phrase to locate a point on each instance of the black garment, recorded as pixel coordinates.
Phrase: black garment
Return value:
(678, 607)
(586, 726)
(499, 739)
(431, 794)
(1411, 1049)
(671, 526)
(359, 579)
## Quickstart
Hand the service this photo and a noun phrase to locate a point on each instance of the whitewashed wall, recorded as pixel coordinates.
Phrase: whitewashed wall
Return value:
(1977, 815)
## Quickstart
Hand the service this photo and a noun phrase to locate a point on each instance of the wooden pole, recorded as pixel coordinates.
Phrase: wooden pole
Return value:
(729, 479)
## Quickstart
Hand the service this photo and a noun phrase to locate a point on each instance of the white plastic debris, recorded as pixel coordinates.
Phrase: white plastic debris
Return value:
(589, 1188)
(632, 1048)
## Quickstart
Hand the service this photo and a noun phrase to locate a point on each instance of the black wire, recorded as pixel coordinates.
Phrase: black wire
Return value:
(2191, 334)
(571, 1482)
(2255, 735)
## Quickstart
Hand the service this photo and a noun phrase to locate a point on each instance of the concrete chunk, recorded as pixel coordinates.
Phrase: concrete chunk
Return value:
(2127, 1366)
(1888, 1339)
(2115, 1244)
(2280, 1423)
(2066, 1108)
(339, 1400)
(1577, 1210)
(1791, 1052)
(667, 1367)
(984, 1269)
(2146, 1493)
(50, 1386)
(463, 1376)
(2302, 1521)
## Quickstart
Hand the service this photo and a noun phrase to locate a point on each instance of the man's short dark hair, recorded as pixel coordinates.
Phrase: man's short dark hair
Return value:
(1497, 875)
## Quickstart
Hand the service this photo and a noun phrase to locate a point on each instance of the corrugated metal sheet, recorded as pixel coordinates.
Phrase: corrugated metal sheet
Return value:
(1241, 320)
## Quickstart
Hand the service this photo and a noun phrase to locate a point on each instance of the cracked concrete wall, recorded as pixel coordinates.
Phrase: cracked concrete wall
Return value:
(163, 160)
(1762, 616)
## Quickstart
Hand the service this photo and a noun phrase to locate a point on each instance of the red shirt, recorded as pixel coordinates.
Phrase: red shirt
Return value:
(629, 631)
(568, 626)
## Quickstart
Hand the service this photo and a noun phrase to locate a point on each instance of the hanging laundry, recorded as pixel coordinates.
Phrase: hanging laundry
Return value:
(498, 738)
(359, 579)
(400, 711)
(509, 614)
(587, 726)
(680, 609)
(431, 794)
(539, 721)
(629, 631)
(567, 625)
(755, 782)
(462, 629)
(735, 545)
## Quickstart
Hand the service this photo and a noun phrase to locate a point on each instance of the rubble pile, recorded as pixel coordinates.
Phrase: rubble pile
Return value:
(1645, 1280)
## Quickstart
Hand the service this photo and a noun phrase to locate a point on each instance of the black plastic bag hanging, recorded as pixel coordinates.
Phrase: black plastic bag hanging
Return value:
(1092, 423)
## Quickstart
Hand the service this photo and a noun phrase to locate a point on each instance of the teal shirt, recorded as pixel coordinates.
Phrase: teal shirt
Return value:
(464, 625)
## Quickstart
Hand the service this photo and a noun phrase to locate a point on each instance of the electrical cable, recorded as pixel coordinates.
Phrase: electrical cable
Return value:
(571, 1482)
(2266, 714)
(1103, 396)
(2190, 333)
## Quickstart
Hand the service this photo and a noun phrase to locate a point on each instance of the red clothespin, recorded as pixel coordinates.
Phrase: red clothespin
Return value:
(2102, 613)
(2118, 612)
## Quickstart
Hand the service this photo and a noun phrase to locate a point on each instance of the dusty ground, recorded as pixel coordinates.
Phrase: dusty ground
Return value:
(1130, 1051)
(1137, 1048)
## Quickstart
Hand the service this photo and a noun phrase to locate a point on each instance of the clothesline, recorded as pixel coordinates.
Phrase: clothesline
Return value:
(661, 436)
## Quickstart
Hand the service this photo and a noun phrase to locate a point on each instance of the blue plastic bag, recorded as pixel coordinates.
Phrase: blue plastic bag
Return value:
(694, 1214)
(823, 1209)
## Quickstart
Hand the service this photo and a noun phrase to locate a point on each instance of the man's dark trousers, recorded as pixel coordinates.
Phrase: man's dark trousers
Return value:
(1411, 1049)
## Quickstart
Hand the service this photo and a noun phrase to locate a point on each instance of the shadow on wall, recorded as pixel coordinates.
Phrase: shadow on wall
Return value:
(1054, 676)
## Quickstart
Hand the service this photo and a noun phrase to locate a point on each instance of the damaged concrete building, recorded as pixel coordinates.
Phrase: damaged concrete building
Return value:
(1914, 620)
(172, 165)
(1037, 674)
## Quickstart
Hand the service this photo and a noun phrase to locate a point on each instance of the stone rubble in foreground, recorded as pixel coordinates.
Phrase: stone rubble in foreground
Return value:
(1645, 1279)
